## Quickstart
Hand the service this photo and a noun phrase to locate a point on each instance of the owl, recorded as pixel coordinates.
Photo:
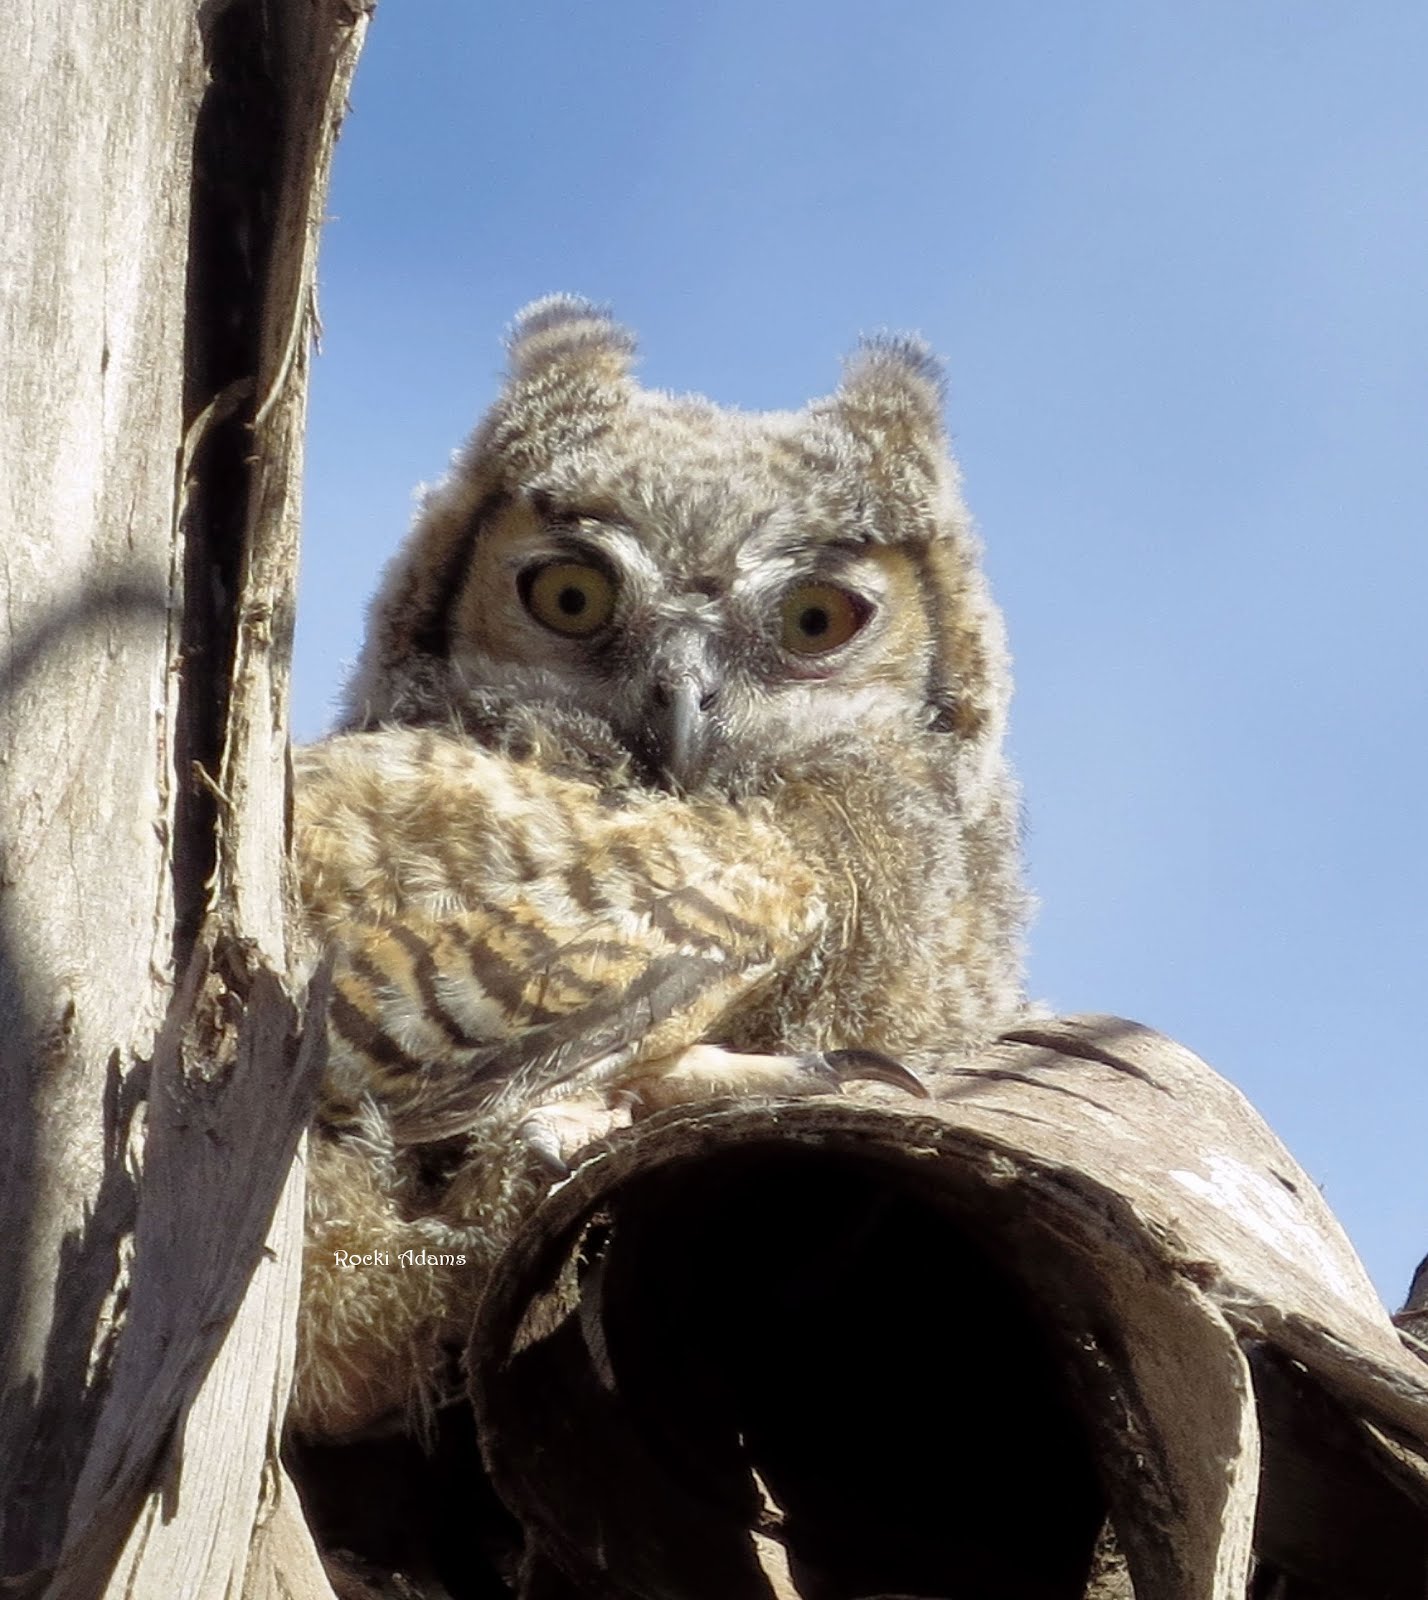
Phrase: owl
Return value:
(672, 768)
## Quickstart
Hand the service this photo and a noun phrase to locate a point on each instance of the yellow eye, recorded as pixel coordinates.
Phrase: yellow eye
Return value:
(817, 617)
(569, 597)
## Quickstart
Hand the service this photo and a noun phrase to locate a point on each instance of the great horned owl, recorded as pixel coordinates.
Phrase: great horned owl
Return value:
(672, 767)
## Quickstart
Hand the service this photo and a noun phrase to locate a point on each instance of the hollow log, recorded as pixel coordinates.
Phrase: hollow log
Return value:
(842, 1348)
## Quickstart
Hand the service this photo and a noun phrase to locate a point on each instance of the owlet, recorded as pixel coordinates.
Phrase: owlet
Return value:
(672, 768)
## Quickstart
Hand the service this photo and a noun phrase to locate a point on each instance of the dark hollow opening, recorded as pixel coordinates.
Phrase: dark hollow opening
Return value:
(821, 1320)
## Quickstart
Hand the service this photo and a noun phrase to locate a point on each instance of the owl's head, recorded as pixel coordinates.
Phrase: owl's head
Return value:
(722, 597)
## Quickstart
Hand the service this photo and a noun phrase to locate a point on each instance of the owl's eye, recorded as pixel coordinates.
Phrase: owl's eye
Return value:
(818, 617)
(569, 597)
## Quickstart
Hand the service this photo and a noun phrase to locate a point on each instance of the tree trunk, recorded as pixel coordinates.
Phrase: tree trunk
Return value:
(164, 178)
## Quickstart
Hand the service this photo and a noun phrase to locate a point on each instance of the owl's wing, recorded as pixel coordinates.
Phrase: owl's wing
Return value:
(441, 1019)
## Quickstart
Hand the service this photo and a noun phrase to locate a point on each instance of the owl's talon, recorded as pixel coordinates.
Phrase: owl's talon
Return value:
(544, 1144)
(867, 1066)
(557, 1132)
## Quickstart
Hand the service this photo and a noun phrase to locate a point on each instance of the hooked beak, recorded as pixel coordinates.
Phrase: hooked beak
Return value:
(675, 738)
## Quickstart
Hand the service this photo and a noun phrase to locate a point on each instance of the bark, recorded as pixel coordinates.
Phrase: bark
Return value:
(162, 206)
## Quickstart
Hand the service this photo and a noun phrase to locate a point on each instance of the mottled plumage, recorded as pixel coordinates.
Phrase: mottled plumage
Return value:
(672, 767)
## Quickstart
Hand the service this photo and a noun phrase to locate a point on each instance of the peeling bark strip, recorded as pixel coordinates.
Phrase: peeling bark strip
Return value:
(162, 214)
(828, 1348)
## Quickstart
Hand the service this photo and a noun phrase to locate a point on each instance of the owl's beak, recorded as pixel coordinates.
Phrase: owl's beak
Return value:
(676, 730)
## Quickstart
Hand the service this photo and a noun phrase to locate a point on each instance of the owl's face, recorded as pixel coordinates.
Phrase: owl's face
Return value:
(735, 596)
(716, 638)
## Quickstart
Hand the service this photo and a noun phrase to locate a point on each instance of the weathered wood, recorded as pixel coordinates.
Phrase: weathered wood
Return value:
(155, 285)
(189, 1427)
(283, 1560)
(91, 414)
(1072, 1283)
(1412, 1320)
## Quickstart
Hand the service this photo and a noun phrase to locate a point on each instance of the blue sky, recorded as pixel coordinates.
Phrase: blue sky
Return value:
(1176, 258)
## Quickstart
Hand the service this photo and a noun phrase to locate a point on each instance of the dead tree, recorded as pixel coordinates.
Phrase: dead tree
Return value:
(163, 178)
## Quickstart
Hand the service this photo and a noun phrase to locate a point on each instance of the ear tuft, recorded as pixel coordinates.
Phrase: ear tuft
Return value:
(564, 330)
(895, 376)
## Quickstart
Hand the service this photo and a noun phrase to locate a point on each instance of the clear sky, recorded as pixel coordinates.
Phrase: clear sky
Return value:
(1176, 258)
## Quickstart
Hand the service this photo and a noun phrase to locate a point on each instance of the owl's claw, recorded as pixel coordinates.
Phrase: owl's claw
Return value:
(556, 1132)
(544, 1144)
(868, 1066)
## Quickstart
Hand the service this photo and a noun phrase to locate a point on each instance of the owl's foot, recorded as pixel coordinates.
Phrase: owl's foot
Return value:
(708, 1072)
(554, 1133)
